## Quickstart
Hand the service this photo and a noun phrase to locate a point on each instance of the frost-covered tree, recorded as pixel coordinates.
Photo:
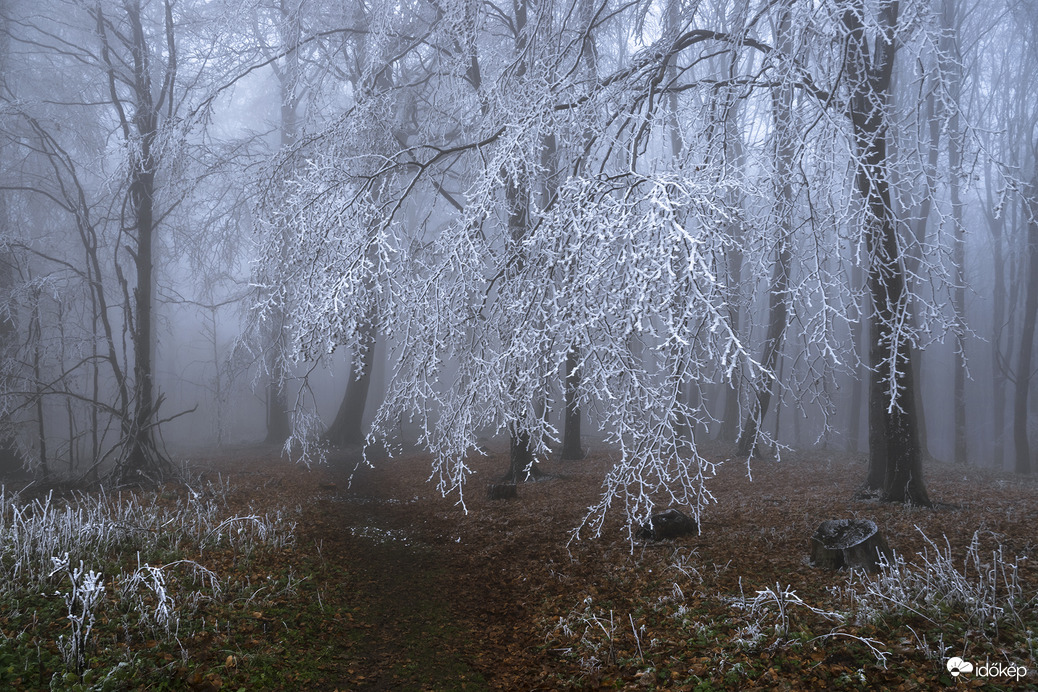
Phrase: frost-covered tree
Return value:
(486, 291)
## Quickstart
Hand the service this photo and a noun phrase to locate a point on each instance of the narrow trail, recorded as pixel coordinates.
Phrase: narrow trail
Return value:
(408, 613)
(389, 586)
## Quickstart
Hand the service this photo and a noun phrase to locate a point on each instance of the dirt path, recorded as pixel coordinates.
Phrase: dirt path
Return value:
(412, 614)
(395, 587)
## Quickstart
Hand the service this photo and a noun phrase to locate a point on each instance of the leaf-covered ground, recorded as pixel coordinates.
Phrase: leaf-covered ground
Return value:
(390, 586)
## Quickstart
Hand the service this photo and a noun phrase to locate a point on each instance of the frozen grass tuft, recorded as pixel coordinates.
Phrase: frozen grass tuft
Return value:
(778, 607)
(89, 525)
(134, 560)
(986, 592)
(82, 602)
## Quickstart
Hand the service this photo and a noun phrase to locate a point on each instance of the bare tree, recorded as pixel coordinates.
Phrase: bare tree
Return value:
(116, 175)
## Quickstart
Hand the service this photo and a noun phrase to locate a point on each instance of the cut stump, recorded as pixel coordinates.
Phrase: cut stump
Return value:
(853, 543)
(669, 524)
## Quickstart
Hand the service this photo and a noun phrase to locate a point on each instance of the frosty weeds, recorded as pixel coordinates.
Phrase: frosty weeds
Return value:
(82, 600)
(73, 544)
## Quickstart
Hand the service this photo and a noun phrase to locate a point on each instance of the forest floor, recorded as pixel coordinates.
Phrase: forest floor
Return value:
(388, 585)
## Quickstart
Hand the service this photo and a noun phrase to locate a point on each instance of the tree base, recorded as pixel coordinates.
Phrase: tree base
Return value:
(502, 491)
(573, 455)
(534, 474)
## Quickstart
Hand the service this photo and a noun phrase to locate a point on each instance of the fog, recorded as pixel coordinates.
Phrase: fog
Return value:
(318, 224)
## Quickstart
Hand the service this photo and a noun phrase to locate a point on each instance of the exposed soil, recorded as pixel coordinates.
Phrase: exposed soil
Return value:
(401, 589)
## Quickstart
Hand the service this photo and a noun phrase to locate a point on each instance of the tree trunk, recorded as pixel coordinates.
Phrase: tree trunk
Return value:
(857, 394)
(951, 59)
(143, 461)
(1023, 370)
(778, 296)
(279, 423)
(10, 459)
(571, 447)
(893, 432)
(348, 427)
(729, 431)
(522, 464)
(913, 257)
(517, 199)
(998, 311)
(36, 338)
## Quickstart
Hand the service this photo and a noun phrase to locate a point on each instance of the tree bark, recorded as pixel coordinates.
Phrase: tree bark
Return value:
(857, 391)
(571, 446)
(894, 451)
(778, 296)
(913, 256)
(10, 460)
(998, 311)
(572, 449)
(517, 200)
(950, 56)
(348, 427)
(279, 423)
(1022, 463)
(522, 464)
(143, 461)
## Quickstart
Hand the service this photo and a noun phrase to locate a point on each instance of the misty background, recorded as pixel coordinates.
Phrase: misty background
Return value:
(301, 221)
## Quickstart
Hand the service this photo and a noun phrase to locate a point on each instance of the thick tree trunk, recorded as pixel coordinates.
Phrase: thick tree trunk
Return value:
(348, 427)
(572, 449)
(998, 311)
(279, 423)
(893, 432)
(521, 464)
(919, 216)
(949, 55)
(778, 311)
(10, 459)
(35, 337)
(729, 431)
(521, 461)
(1022, 391)
(143, 461)
(857, 391)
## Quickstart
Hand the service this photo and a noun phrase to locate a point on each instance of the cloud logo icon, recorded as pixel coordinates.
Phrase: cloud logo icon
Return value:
(956, 666)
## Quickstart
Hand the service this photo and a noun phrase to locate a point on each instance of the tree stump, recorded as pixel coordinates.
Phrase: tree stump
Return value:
(669, 524)
(853, 543)
(501, 491)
